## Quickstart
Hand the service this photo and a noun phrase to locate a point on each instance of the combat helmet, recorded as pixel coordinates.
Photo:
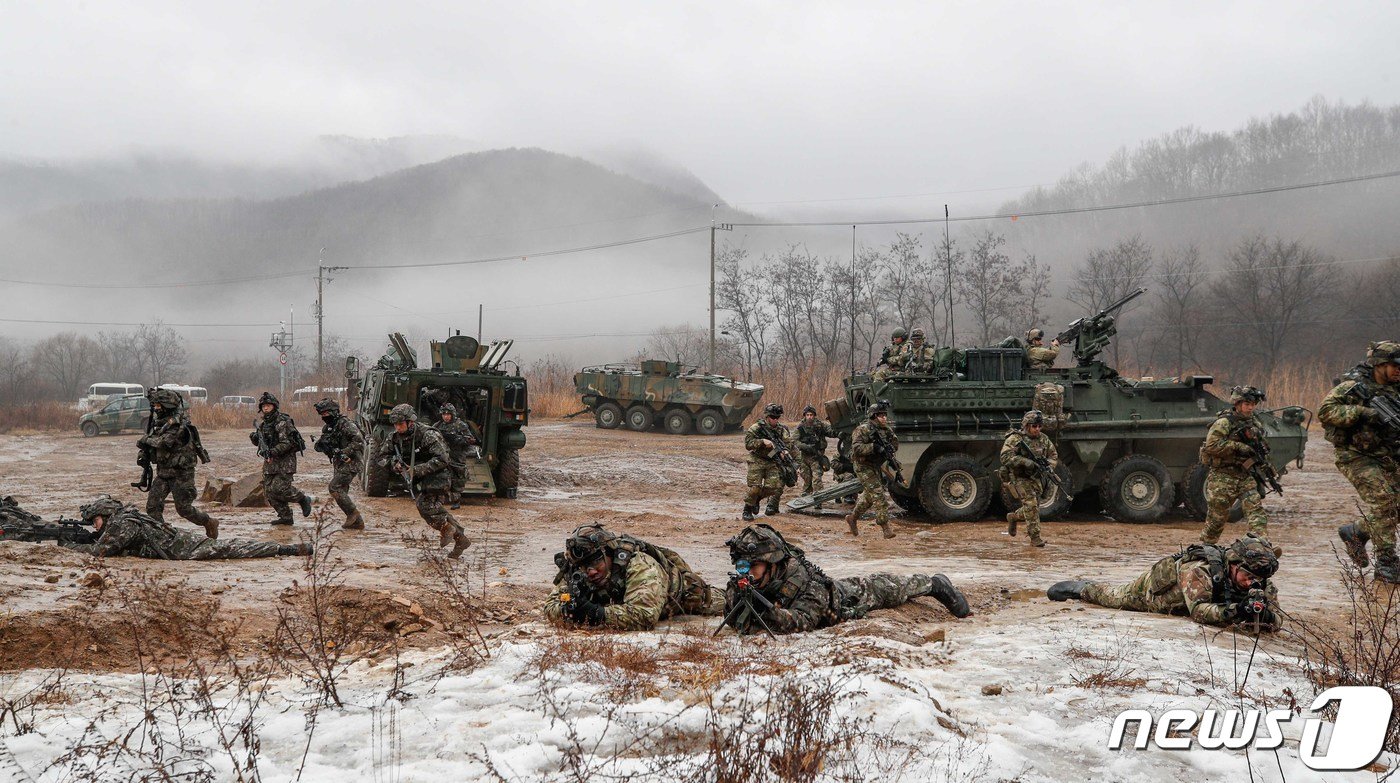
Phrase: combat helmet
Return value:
(916, 334)
(899, 333)
(104, 506)
(403, 412)
(169, 399)
(809, 409)
(327, 405)
(1035, 334)
(1033, 418)
(1254, 556)
(880, 408)
(448, 408)
(588, 543)
(758, 542)
(1382, 352)
(1246, 394)
(773, 409)
(268, 397)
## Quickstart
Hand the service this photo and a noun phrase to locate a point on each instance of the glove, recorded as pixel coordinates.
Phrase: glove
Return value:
(253, 438)
(587, 613)
(1370, 416)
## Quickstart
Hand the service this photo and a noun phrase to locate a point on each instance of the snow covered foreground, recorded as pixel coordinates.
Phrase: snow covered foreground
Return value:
(993, 703)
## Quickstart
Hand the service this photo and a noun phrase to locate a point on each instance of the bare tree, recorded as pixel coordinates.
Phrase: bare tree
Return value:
(738, 290)
(69, 360)
(162, 351)
(682, 343)
(904, 276)
(1179, 305)
(1272, 290)
(947, 259)
(16, 373)
(1035, 289)
(871, 315)
(987, 283)
(1109, 274)
(121, 356)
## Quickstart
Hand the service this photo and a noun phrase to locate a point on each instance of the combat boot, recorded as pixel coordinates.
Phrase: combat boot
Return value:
(305, 503)
(885, 528)
(354, 521)
(460, 542)
(456, 501)
(1387, 567)
(749, 512)
(281, 522)
(294, 550)
(772, 510)
(211, 527)
(1063, 591)
(1355, 539)
(851, 523)
(943, 591)
(1037, 541)
(447, 533)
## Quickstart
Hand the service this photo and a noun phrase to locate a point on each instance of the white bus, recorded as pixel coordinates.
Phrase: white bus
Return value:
(317, 393)
(194, 395)
(99, 393)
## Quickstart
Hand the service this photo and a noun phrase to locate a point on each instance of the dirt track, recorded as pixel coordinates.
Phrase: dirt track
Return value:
(680, 491)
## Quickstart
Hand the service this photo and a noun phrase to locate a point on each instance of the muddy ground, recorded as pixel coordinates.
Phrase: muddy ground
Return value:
(683, 492)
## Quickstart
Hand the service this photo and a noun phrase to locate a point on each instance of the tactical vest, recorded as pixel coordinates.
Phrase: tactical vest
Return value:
(269, 431)
(811, 439)
(797, 581)
(1165, 574)
(1239, 425)
(1362, 437)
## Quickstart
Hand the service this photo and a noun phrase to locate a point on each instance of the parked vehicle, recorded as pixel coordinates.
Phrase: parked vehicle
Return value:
(128, 412)
(99, 394)
(238, 402)
(658, 392)
(194, 395)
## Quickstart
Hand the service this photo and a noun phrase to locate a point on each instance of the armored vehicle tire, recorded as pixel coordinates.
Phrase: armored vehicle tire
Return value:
(376, 475)
(955, 488)
(709, 422)
(1053, 502)
(508, 473)
(90, 429)
(1193, 490)
(608, 416)
(1138, 488)
(678, 422)
(640, 418)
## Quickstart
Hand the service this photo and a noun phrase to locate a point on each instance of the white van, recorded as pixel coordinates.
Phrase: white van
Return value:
(99, 394)
(194, 395)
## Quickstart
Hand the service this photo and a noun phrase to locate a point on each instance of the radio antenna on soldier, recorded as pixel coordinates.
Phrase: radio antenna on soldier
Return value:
(948, 250)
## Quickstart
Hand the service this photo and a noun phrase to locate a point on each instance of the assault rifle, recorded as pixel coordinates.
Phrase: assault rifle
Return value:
(746, 595)
(787, 464)
(889, 464)
(1386, 408)
(1261, 470)
(1043, 472)
(1252, 608)
(264, 450)
(575, 591)
(403, 469)
(143, 458)
(1092, 334)
(64, 531)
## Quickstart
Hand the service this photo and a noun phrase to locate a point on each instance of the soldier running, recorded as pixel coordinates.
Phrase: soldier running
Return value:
(624, 583)
(1367, 456)
(123, 531)
(463, 443)
(420, 456)
(798, 596)
(279, 443)
(765, 439)
(811, 444)
(1211, 584)
(869, 460)
(174, 447)
(1229, 452)
(344, 445)
(1038, 357)
(1022, 475)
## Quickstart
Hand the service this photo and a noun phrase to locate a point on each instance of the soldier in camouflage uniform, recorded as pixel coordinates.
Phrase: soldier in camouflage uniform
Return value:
(889, 362)
(803, 598)
(279, 443)
(124, 531)
(1038, 357)
(344, 445)
(463, 443)
(869, 462)
(811, 444)
(763, 440)
(1211, 584)
(916, 356)
(628, 584)
(1367, 456)
(174, 446)
(1022, 476)
(1228, 455)
(420, 456)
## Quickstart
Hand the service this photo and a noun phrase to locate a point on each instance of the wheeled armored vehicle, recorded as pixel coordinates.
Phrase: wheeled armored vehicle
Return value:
(662, 393)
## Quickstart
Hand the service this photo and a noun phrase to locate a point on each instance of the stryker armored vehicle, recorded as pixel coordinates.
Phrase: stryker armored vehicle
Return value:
(463, 373)
(1127, 447)
(658, 392)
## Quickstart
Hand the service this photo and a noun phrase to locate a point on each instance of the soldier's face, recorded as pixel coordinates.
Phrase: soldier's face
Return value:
(771, 419)
(98, 522)
(400, 427)
(1388, 373)
(268, 407)
(882, 418)
(326, 416)
(809, 417)
(1246, 408)
(447, 417)
(758, 571)
(1243, 579)
(1036, 341)
(598, 571)
(1033, 430)
(898, 341)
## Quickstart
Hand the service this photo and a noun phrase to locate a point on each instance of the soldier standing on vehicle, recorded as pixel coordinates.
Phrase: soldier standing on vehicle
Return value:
(1234, 443)
(917, 357)
(765, 440)
(420, 456)
(872, 444)
(463, 443)
(174, 446)
(1368, 454)
(811, 443)
(624, 583)
(122, 531)
(279, 443)
(1023, 475)
(890, 357)
(343, 443)
(784, 592)
(1038, 357)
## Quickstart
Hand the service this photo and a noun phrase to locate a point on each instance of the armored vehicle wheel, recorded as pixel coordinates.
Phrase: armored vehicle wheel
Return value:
(709, 422)
(508, 473)
(1138, 488)
(376, 476)
(608, 416)
(1194, 495)
(1053, 502)
(677, 422)
(955, 488)
(90, 429)
(640, 418)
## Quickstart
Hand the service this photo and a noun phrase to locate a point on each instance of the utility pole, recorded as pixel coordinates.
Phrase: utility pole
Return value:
(321, 280)
(853, 301)
(282, 341)
(713, 227)
(480, 316)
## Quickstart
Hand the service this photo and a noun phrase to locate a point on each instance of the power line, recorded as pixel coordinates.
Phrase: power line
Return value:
(596, 298)
(186, 284)
(127, 323)
(540, 254)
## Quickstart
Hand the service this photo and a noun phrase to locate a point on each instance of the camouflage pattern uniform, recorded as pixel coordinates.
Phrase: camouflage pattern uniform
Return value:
(1021, 476)
(1040, 357)
(344, 445)
(280, 434)
(1226, 452)
(916, 356)
(811, 444)
(765, 479)
(1370, 463)
(427, 465)
(646, 584)
(129, 533)
(174, 450)
(804, 598)
(463, 443)
(868, 461)
(1195, 583)
(889, 362)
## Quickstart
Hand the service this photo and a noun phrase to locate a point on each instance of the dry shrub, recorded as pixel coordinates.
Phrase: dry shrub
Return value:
(39, 417)
(553, 404)
(1106, 665)
(454, 611)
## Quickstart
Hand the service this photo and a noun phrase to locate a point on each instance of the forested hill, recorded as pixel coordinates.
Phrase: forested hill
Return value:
(1320, 141)
(500, 201)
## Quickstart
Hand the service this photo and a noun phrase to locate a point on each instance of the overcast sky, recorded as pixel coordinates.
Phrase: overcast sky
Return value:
(764, 101)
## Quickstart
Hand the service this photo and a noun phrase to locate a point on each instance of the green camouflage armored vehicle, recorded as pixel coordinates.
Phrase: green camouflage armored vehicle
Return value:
(658, 392)
(463, 373)
(1127, 447)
